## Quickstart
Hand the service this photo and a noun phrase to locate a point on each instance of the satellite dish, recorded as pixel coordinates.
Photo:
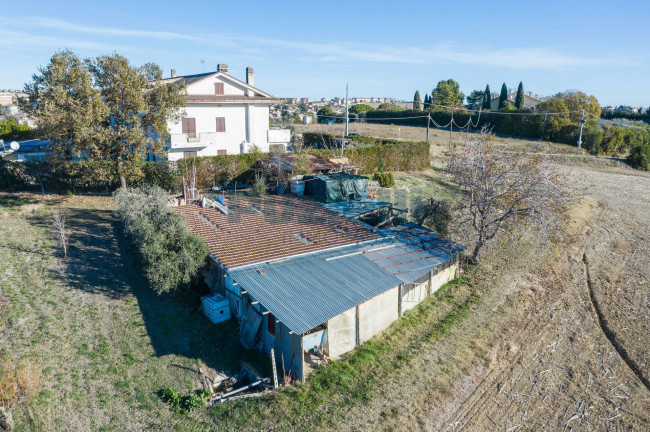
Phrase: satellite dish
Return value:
(14, 145)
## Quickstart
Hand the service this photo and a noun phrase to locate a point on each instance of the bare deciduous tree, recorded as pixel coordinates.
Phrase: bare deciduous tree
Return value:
(58, 224)
(504, 189)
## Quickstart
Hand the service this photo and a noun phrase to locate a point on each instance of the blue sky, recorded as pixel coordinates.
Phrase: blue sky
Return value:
(381, 48)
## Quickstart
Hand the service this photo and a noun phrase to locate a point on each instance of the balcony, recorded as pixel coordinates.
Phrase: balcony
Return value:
(201, 140)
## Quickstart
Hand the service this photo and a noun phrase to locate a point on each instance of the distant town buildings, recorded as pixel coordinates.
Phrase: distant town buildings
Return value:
(303, 110)
(9, 107)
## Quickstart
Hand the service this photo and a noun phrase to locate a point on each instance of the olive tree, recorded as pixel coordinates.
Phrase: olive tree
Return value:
(505, 189)
(171, 255)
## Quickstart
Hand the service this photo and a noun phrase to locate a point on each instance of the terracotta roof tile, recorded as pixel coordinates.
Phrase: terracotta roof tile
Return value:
(285, 227)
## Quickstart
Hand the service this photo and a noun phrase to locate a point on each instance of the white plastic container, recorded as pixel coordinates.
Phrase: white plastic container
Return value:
(216, 308)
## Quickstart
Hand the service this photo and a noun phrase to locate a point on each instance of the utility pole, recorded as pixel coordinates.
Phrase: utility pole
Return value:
(428, 121)
(543, 126)
(346, 111)
(451, 125)
(582, 122)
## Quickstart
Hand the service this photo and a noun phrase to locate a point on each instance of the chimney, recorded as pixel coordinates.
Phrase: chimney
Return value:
(222, 68)
(174, 73)
(250, 79)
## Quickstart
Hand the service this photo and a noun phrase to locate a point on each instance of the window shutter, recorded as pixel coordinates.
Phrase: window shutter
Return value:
(188, 125)
(221, 152)
(218, 88)
(221, 124)
(192, 126)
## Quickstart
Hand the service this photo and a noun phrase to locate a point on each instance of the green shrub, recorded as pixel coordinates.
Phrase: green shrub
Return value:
(162, 174)
(258, 187)
(171, 255)
(639, 157)
(385, 179)
(11, 130)
(179, 403)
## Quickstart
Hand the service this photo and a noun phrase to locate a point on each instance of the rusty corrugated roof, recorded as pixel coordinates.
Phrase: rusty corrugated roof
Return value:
(270, 228)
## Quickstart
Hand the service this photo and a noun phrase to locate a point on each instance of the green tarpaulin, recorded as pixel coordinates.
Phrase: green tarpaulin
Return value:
(330, 188)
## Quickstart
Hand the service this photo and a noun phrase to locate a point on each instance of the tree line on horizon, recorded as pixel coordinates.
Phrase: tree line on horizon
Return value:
(447, 94)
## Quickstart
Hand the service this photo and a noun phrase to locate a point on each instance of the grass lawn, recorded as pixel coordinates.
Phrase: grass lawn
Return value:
(108, 344)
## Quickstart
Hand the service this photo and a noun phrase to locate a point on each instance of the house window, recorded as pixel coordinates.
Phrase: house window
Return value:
(189, 126)
(187, 154)
(221, 124)
(271, 324)
(218, 88)
(221, 152)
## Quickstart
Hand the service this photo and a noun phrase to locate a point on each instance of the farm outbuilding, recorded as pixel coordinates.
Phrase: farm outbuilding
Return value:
(302, 279)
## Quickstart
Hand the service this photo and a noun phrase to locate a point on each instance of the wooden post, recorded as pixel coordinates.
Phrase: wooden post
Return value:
(275, 371)
(303, 378)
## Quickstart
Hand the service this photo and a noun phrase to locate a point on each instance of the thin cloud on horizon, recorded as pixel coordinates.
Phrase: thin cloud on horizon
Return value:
(538, 57)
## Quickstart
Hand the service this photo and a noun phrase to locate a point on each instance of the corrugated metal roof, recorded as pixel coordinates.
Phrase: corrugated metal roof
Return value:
(307, 291)
(355, 208)
(416, 252)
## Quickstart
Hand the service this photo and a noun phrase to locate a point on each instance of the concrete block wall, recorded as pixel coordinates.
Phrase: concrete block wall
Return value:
(289, 346)
(444, 276)
(377, 314)
(342, 333)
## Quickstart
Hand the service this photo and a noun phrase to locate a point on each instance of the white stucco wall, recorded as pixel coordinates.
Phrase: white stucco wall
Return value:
(246, 123)
(237, 132)
(442, 277)
(377, 314)
(206, 86)
(342, 333)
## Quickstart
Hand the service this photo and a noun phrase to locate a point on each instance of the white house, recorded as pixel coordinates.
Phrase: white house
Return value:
(223, 115)
(530, 102)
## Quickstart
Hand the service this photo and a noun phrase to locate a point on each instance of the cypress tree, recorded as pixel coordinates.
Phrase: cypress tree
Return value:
(427, 102)
(487, 98)
(417, 101)
(519, 100)
(503, 97)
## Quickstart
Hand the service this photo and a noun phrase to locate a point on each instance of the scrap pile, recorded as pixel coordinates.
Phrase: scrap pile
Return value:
(247, 383)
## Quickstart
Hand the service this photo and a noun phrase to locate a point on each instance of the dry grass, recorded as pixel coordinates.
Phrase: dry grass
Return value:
(526, 355)
(20, 379)
(107, 344)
